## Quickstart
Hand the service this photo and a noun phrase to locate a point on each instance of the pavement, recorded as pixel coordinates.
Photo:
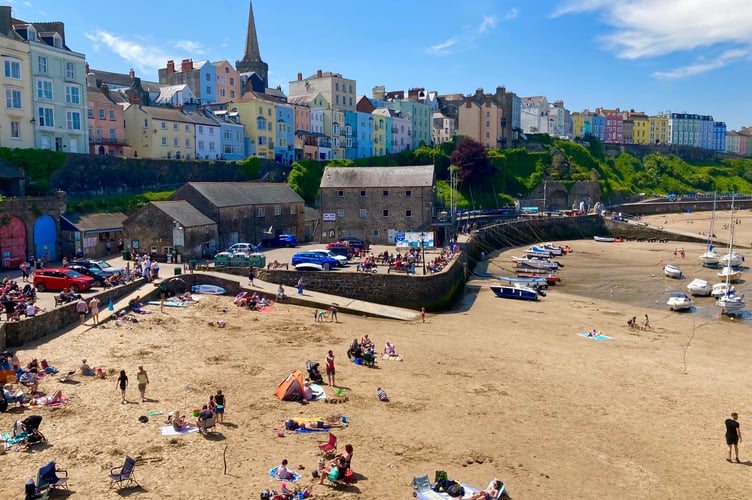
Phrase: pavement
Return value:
(309, 298)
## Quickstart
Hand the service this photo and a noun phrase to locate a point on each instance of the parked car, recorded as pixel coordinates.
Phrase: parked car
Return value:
(60, 278)
(244, 248)
(281, 240)
(340, 249)
(307, 257)
(341, 260)
(93, 272)
(99, 264)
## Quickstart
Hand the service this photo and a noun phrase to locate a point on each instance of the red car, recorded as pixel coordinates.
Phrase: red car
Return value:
(60, 278)
(340, 249)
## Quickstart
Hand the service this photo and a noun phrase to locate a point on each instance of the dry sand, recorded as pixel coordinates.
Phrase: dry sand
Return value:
(494, 388)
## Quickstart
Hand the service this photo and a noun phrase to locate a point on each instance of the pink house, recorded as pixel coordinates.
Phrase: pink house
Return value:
(614, 128)
(106, 123)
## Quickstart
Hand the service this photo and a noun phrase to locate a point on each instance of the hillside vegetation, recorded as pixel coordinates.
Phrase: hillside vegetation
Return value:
(485, 178)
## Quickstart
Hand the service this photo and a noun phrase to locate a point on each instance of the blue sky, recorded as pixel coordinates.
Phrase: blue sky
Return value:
(649, 55)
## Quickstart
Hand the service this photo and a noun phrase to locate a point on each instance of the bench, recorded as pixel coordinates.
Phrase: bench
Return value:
(403, 269)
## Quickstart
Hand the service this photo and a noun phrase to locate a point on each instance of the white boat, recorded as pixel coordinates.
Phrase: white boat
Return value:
(604, 239)
(208, 289)
(519, 288)
(532, 262)
(309, 266)
(710, 257)
(540, 252)
(732, 273)
(672, 271)
(700, 287)
(730, 302)
(679, 302)
(720, 289)
(731, 259)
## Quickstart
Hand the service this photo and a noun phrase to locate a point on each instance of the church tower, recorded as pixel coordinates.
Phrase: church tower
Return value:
(251, 61)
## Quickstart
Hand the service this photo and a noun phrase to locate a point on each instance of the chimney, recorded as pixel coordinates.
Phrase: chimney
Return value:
(87, 69)
(132, 74)
(170, 66)
(300, 77)
(318, 73)
(379, 92)
(500, 91)
(105, 89)
(479, 92)
(5, 16)
(186, 65)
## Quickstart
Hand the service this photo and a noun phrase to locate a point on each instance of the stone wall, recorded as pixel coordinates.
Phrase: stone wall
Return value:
(16, 334)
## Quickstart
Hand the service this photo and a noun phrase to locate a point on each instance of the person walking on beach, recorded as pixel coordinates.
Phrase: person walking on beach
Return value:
(423, 314)
(250, 276)
(143, 380)
(647, 322)
(333, 314)
(733, 436)
(330, 368)
(122, 384)
(94, 309)
(82, 309)
(219, 410)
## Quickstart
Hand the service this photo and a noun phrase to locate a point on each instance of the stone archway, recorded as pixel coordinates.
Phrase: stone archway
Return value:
(45, 238)
(12, 241)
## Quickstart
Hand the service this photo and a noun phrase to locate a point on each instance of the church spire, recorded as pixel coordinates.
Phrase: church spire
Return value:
(251, 61)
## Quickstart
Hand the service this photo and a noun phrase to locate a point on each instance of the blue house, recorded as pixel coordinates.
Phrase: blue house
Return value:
(284, 149)
(351, 135)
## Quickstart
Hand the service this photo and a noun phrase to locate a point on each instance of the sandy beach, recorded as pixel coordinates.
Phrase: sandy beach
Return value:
(493, 388)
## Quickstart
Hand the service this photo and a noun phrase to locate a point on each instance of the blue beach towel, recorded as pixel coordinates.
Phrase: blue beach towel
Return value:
(273, 473)
(597, 337)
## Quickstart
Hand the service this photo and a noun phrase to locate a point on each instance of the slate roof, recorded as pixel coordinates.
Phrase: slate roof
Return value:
(236, 194)
(200, 119)
(365, 177)
(183, 212)
(94, 222)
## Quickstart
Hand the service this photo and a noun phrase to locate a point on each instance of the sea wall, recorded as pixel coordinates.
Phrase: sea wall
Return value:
(18, 333)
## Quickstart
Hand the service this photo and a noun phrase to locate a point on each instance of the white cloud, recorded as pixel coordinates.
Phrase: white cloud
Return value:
(443, 48)
(646, 28)
(699, 67)
(511, 14)
(190, 46)
(27, 4)
(488, 24)
(140, 56)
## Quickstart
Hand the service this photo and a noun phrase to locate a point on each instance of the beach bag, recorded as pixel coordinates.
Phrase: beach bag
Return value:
(455, 490)
(440, 475)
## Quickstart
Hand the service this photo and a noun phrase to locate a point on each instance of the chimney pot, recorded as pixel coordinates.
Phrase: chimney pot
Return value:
(319, 74)
(300, 77)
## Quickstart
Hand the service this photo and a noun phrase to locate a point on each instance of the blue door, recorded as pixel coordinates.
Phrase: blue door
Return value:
(45, 238)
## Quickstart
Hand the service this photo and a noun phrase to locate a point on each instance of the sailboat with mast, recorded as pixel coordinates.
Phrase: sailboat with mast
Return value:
(729, 301)
(711, 257)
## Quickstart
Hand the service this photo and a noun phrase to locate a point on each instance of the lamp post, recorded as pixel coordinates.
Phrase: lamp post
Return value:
(423, 250)
(178, 238)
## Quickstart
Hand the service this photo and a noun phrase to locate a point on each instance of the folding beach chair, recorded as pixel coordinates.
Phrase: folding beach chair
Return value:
(329, 447)
(47, 478)
(502, 489)
(421, 483)
(123, 477)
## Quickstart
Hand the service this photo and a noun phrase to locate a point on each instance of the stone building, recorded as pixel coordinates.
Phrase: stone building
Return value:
(247, 211)
(376, 203)
(86, 235)
(173, 228)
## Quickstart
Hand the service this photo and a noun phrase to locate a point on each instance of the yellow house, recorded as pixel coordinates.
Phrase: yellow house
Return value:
(17, 119)
(258, 116)
(159, 132)
(578, 124)
(659, 131)
(641, 128)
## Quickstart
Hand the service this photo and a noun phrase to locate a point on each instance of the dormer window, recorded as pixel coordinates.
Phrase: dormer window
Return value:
(31, 33)
(57, 41)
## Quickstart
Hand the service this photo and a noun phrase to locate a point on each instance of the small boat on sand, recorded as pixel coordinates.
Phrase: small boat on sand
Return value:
(672, 271)
(679, 302)
(700, 287)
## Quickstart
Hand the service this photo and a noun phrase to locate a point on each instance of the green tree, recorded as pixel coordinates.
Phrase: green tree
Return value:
(305, 179)
(250, 167)
(472, 160)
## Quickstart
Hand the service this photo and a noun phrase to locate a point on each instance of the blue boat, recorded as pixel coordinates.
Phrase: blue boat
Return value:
(520, 288)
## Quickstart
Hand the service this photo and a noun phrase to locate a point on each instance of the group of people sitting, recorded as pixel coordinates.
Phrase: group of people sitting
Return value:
(67, 296)
(252, 301)
(442, 260)
(368, 265)
(19, 306)
(215, 410)
(336, 469)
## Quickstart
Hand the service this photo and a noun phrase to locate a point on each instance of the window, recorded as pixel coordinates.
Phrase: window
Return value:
(363, 213)
(70, 71)
(44, 89)
(363, 194)
(408, 212)
(15, 129)
(208, 77)
(99, 134)
(408, 193)
(188, 143)
(176, 142)
(277, 210)
(164, 125)
(174, 126)
(211, 130)
(232, 80)
(146, 123)
(72, 94)
(46, 116)
(293, 210)
(223, 93)
(89, 113)
(385, 193)
(340, 212)
(201, 145)
(385, 212)
(222, 79)
(42, 64)
(187, 128)
(208, 90)
(113, 135)
(13, 98)
(340, 194)
(211, 146)
(73, 120)
(164, 141)
(112, 115)
(12, 69)
(375, 233)
(260, 212)
(232, 94)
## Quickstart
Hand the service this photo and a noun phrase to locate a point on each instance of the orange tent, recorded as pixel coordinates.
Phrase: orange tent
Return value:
(291, 387)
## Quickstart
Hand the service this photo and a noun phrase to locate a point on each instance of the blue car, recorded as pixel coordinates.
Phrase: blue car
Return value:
(314, 260)
(281, 240)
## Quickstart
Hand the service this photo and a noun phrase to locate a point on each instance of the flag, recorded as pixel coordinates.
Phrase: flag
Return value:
(110, 307)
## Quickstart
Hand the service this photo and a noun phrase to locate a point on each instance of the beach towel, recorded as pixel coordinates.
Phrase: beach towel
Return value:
(273, 473)
(435, 495)
(597, 337)
(318, 392)
(19, 438)
(393, 357)
(42, 402)
(168, 303)
(169, 430)
(265, 309)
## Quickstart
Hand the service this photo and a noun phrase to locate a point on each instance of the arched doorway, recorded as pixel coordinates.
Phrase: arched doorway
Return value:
(45, 238)
(12, 241)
